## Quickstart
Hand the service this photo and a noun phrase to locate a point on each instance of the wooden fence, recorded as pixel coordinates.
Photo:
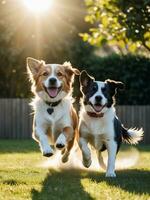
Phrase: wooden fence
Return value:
(16, 118)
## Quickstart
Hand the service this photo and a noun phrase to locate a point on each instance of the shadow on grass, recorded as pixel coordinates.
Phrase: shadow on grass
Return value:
(63, 185)
(67, 184)
(133, 180)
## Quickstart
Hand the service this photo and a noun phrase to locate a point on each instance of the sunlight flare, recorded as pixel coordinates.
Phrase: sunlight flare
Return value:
(38, 6)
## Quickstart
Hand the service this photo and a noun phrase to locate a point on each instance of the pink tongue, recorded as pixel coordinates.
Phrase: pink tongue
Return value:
(53, 92)
(97, 108)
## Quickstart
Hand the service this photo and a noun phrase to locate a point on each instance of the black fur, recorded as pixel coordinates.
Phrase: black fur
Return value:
(111, 89)
(88, 86)
(118, 132)
(121, 133)
(90, 92)
(126, 136)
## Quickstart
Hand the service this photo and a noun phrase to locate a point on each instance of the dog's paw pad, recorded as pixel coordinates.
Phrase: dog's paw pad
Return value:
(87, 163)
(60, 146)
(111, 174)
(47, 154)
(61, 141)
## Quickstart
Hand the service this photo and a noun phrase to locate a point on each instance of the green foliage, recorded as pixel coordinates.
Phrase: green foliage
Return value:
(124, 24)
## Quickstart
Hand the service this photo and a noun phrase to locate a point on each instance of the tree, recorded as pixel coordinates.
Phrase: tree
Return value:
(125, 24)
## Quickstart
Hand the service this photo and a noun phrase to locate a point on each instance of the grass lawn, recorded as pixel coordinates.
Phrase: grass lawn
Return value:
(22, 178)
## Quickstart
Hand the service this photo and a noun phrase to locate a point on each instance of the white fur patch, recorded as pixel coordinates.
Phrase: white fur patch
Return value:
(46, 149)
(52, 75)
(136, 135)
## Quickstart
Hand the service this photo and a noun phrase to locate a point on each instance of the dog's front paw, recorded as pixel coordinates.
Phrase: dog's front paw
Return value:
(87, 162)
(61, 141)
(110, 174)
(47, 151)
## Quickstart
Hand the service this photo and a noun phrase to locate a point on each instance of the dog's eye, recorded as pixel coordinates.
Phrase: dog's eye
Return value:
(94, 88)
(45, 73)
(59, 74)
(104, 89)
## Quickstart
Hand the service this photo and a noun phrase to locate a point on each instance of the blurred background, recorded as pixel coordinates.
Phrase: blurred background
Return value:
(108, 38)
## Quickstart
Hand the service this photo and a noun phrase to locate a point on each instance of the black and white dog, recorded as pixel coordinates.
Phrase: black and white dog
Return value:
(99, 125)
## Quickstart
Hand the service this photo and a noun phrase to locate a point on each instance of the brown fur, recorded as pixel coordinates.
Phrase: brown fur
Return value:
(38, 72)
(66, 71)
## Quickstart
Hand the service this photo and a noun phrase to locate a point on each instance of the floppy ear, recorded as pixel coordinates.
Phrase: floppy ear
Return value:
(114, 86)
(76, 71)
(70, 70)
(85, 79)
(33, 65)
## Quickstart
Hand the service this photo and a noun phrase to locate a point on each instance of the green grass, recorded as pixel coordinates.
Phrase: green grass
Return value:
(21, 178)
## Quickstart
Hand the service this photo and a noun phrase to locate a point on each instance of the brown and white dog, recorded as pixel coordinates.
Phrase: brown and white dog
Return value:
(55, 119)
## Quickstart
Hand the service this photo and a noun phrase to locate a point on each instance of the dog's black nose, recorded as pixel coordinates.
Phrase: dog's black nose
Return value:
(98, 98)
(52, 81)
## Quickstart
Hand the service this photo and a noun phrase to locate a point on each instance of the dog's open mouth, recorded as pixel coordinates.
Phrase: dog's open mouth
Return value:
(98, 107)
(53, 91)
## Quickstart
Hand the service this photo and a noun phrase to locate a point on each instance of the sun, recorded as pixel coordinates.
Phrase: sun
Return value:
(38, 6)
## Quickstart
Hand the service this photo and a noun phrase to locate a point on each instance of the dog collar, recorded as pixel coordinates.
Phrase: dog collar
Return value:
(50, 110)
(53, 104)
(93, 114)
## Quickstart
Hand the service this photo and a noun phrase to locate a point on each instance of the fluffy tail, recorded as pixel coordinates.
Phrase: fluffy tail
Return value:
(132, 135)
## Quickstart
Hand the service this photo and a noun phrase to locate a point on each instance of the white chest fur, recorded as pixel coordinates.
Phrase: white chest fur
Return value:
(60, 117)
(99, 129)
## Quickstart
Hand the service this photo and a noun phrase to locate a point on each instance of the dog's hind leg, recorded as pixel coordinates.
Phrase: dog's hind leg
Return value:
(63, 151)
(101, 160)
(112, 150)
(66, 152)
